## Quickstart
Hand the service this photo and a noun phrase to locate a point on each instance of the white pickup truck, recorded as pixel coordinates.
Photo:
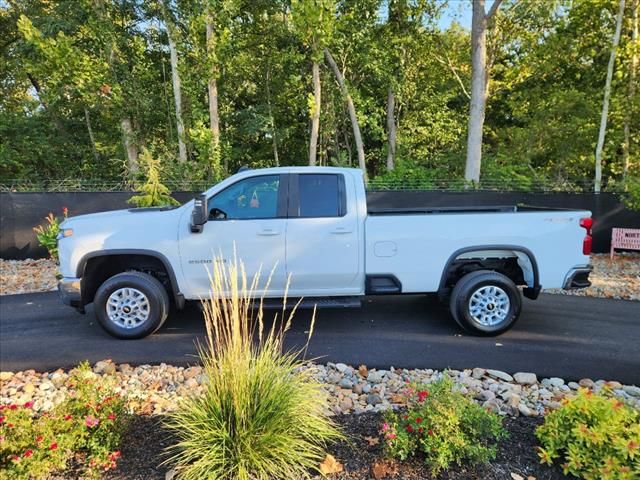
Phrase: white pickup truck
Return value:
(312, 223)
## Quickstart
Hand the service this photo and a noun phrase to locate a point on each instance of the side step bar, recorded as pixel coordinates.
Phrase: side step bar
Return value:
(309, 303)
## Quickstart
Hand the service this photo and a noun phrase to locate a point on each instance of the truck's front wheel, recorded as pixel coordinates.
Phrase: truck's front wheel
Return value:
(485, 302)
(131, 305)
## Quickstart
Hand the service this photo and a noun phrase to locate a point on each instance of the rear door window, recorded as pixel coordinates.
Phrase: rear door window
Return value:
(321, 195)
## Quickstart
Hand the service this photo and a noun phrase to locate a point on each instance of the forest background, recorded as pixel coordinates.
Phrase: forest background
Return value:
(95, 93)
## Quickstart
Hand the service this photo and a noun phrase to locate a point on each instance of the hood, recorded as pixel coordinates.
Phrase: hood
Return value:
(115, 215)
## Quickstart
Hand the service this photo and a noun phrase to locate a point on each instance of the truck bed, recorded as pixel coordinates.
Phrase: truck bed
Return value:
(430, 210)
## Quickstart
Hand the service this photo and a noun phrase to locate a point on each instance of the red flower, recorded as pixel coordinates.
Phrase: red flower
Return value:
(422, 394)
(91, 421)
(409, 429)
(68, 417)
(53, 446)
(420, 430)
(430, 432)
(419, 420)
(2, 407)
(15, 458)
(65, 211)
(29, 404)
(2, 418)
(112, 416)
(39, 439)
(391, 436)
(115, 455)
(9, 425)
(13, 407)
(28, 453)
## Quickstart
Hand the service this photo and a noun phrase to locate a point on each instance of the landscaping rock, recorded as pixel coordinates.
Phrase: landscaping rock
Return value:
(104, 367)
(632, 390)
(376, 376)
(524, 378)
(500, 374)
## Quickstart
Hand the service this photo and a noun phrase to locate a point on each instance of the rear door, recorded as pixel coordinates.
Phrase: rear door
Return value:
(323, 255)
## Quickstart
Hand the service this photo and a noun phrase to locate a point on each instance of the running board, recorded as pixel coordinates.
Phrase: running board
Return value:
(308, 303)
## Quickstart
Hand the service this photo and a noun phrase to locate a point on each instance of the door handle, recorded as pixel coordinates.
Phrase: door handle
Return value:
(268, 232)
(341, 230)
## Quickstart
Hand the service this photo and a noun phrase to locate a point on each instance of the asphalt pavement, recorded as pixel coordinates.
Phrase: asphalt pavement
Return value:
(565, 336)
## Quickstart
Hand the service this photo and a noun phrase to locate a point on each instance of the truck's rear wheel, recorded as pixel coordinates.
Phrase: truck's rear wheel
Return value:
(131, 305)
(485, 302)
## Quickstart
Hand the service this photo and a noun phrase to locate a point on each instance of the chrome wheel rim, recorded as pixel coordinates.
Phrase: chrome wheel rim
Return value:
(128, 307)
(489, 305)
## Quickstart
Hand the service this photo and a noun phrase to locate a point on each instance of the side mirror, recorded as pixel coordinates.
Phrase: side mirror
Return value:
(200, 214)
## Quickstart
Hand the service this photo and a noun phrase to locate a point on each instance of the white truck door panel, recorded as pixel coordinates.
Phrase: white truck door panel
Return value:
(323, 239)
(248, 220)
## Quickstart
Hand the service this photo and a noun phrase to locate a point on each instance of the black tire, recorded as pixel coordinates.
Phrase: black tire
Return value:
(157, 305)
(473, 282)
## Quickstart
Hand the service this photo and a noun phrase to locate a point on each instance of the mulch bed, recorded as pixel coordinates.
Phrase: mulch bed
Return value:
(146, 439)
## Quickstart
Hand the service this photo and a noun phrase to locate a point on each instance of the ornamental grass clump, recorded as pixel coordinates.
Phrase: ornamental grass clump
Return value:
(595, 436)
(261, 414)
(443, 426)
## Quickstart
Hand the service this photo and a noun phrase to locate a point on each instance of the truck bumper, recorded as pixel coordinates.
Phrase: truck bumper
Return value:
(70, 290)
(578, 277)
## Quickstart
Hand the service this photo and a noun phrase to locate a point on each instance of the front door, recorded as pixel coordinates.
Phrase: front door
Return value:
(247, 221)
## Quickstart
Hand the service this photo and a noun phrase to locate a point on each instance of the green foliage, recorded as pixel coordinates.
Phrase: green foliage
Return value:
(631, 195)
(595, 435)
(86, 426)
(152, 193)
(47, 235)
(445, 426)
(261, 414)
(71, 71)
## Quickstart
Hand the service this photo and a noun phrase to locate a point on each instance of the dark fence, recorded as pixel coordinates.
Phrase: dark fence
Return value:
(20, 212)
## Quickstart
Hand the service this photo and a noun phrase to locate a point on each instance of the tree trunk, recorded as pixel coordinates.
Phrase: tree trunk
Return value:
(479, 80)
(315, 114)
(391, 129)
(631, 102)
(130, 145)
(92, 139)
(352, 111)
(607, 94)
(177, 93)
(214, 117)
(274, 137)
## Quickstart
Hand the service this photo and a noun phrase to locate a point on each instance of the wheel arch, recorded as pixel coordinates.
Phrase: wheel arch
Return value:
(521, 253)
(122, 255)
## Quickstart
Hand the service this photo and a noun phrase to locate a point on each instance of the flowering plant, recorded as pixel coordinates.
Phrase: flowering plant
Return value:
(596, 435)
(443, 425)
(87, 425)
(47, 235)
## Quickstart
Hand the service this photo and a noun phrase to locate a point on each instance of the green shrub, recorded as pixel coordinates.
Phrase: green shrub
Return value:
(597, 437)
(152, 193)
(261, 415)
(445, 426)
(87, 425)
(47, 235)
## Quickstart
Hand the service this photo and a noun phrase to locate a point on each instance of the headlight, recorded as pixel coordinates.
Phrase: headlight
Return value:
(65, 232)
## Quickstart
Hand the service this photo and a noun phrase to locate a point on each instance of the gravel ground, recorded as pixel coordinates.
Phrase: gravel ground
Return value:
(158, 389)
(618, 278)
(27, 276)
